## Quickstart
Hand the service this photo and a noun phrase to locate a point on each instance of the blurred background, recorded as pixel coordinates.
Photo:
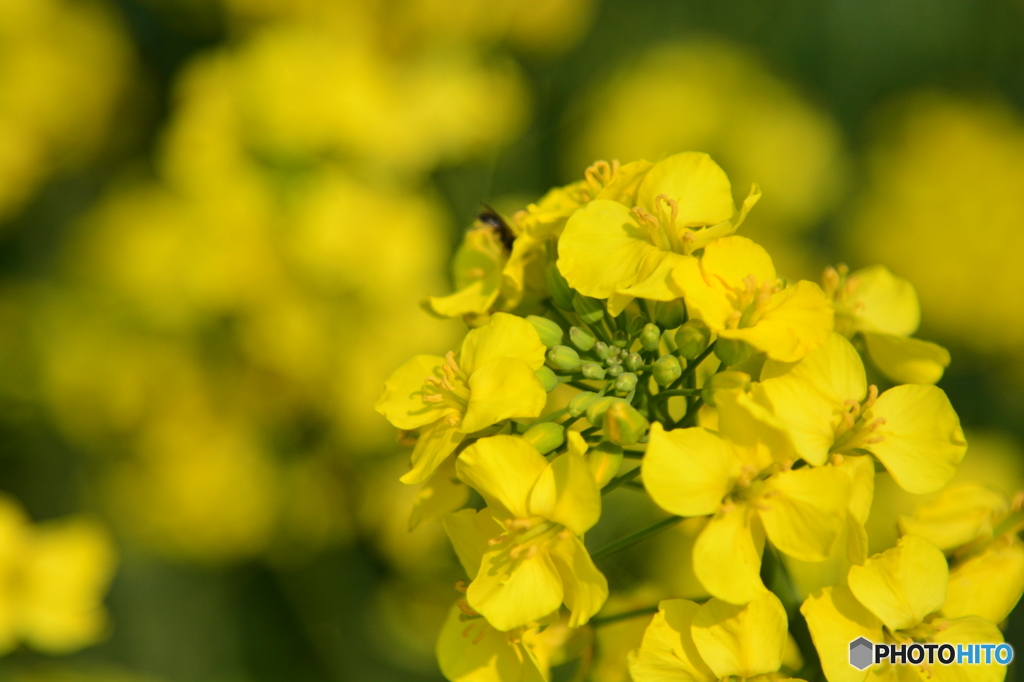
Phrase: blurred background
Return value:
(218, 217)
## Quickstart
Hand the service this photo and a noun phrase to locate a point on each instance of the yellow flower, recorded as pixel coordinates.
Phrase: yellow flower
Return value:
(735, 290)
(470, 650)
(532, 558)
(712, 641)
(493, 379)
(883, 309)
(986, 570)
(902, 590)
(614, 250)
(695, 472)
(53, 578)
(490, 276)
(828, 407)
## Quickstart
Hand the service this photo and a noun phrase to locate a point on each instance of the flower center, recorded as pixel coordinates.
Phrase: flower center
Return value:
(448, 386)
(857, 427)
(838, 287)
(750, 302)
(523, 539)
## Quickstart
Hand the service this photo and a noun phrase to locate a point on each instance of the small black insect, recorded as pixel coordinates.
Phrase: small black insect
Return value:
(490, 217)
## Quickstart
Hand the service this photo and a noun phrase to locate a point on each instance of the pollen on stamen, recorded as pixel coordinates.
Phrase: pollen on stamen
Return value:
(672, 204)
(435, 398)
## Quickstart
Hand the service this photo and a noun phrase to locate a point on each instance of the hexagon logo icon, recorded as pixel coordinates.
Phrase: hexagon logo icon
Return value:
(861, 653)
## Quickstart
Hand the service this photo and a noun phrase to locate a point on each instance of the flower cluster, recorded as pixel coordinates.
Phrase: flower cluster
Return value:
(625, 335)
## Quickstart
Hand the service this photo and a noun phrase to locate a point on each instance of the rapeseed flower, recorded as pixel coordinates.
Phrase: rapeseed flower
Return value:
(493, 379)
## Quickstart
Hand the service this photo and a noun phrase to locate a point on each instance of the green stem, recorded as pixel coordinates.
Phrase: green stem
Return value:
(677, 391)
(635, 537)
(626, 615)
(551, 417)
(616, 482)
(692, 367)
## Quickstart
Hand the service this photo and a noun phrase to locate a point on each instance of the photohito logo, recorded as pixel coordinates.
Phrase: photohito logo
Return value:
(864, 653)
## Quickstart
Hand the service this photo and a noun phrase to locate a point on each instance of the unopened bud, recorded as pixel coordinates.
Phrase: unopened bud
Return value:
(667, 369)
(547, 379)
(692, 338)
(580, 402)
(604, 461)
(625, 382)
(602, 350)
(620, 339)
(669, 314)
(549, 331)
(545, 436)
(564, 358)
(561, 293)
(596, 409)
(614, 369)
(589, 309)
(733, 351)
(581, 338)
(633, 362)
(650, 337)
(724, 381)
(623, 425)
(592, 371)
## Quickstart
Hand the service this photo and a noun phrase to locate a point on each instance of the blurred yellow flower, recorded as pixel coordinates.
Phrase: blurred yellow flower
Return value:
(54, 577)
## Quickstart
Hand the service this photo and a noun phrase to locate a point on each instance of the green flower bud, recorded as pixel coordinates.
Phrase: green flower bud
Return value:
(596, 409)
(564, 358)
(620, 339)
(667, 369)
(580, 402)
(602, 350)
(732, 351)
(692, 338)
(669, 314)
(592, 370)
(581, 338)
(547, 379)
(614, 370)
(650, 337)
(545, 436)
(623, 425)
(633, 362)
(724, 381)
(635, 324)
(550, 333)
(591, 310)
(604, 461)
(561, 293)
(625, 382)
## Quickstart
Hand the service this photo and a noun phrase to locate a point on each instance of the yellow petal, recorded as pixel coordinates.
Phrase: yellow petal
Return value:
(566, 493)
(668, 652)
(804, 510)
(727, 555)
(743, 640)
(504, 336)
(988, 585)
(795, 321)
(696, 183)
(477, 298)
(746, 418)
(689, 471)
(905, 360)
(835, 618)
(625, 184)
(810, 576)
(436, 441)
(956, 516)
(861, 471)
(503, 469)
(883, 302)
(602, 249)
(477, 268)
(402, 401)
(809, 416)
(469, 531)
(732, 260)
(585, 588)
(475, 652)
(923, 443)
(969, 630)
(834, 369)
(511, 593)
(501, 389)
(903, 584)
(443, 493)
(655, 280)
(706, 300)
